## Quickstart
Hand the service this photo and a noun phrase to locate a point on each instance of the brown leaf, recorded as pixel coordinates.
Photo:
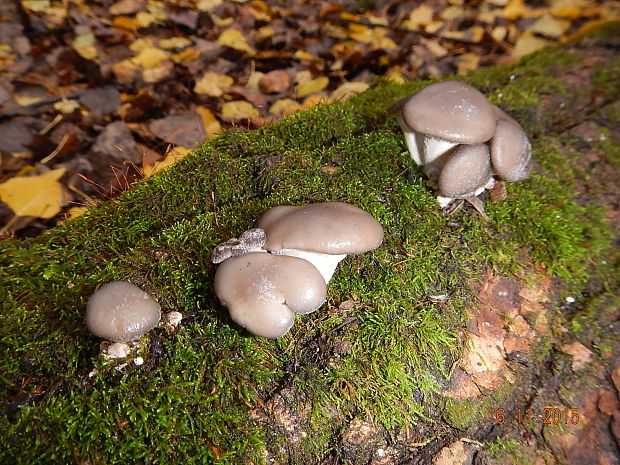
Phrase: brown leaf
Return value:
(183, 129)
(239, 109)
(275, 81)
(116, 141)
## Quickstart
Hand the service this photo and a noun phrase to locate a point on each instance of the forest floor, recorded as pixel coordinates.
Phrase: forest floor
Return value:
(95, 95)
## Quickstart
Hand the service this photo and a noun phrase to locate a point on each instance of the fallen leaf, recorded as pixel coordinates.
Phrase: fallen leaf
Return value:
(40, 196)
(84, 44)
(580, 353)
(420, 16)
(526, 44)
(210, 122)
(65, 106)
(208, 5)
(175, 42)
(158, 73)
(348, 89)
(173, 156)
(285, 106)
(182, 129)
(549, 26)
(234, 38)
(312, 86)
(303, 55)
(213, 84)
(127, 7)
(37, 6)
(149, 57)
(316, 99)
(275, 81)
(239, 109)
(74, 212)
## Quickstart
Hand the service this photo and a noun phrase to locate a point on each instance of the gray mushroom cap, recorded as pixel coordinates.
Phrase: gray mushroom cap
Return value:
(329, 228)
(120, 312)
(450, 110)
(263, 292)
(466, 173)
(511, 151)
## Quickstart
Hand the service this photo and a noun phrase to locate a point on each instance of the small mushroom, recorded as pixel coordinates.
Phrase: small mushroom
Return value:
(263, 292)
(322, 233)
(511, 151)
(465, 174)
(441, 116)
(121, 312)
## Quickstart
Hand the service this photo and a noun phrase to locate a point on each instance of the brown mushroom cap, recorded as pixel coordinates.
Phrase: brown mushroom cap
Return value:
(120, 312)
(450, 110)
(511, 151)
(263, 291)
(329, 228)
(467, 170)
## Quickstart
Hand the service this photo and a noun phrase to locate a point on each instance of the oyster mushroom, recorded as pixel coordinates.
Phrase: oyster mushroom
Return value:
(120, 311)
(321, 233)
(263, 292)
(441, 116)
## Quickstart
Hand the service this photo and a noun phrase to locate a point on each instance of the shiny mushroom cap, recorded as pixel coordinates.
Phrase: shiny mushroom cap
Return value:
(451, 110)
(511, 151)
(120, 312)
(322, 233)
(263, 292)
(329, 227)
(466, 173)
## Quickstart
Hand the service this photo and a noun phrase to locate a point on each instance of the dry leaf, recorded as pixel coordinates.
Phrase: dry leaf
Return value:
(549, 26)
(239, 109)
(348, 90)
(420, 16)
(234, 38)
(149, 57)
(312, 86)
(274, 81)
(527, 43)
(127, 7)
(173, 156)
(210, 122)
(66, 106)
(213, 84)
(285, 106)
(84, 44)
(208, 5)
(175, 42)
(316, 99)
(302, 55)
(40, 196)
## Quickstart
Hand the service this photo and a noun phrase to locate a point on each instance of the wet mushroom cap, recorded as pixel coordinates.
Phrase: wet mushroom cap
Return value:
(329, 228)
(450, 110)
(511, 151)
(120, 312)
(263, 292)
(467, 170)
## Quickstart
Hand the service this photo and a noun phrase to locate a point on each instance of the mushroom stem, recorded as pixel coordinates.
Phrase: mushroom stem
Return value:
(325, 263)
(424, 149)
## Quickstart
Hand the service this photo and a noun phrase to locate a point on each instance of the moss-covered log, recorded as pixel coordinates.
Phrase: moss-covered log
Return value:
(450, 318)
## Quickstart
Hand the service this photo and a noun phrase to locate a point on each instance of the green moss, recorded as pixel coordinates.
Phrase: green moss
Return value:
(380, 346)
(463, 414)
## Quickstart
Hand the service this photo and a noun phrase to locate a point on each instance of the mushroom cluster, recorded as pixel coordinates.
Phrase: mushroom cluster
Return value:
(463, 141)
(282, 268)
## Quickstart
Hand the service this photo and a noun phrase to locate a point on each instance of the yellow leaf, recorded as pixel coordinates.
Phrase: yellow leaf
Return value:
(140, 44)
(549, 26)
(210, 122)
(158, 73)
(348, 90)
(374, 36)
(255, 77)
(145, 19)
(124, 23)
(234, 38)
(84, 44)
(37, 6)
(316, 99)
(573, 9)
(516, 9)
(74, 212)
(312, 86)
(170, 159)
(25, 100)
(213, 84)
(189, 54)
(395, 74)
(66, 106)
(467, 62)
(175, 42)
(303, 55)
(40, 196)
(527, 43)
(420, 16)
(285, 106)
(150, 57)
(239, 109)
(208, 5)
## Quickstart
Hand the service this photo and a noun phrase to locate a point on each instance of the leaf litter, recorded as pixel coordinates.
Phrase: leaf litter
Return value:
(96, 95)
